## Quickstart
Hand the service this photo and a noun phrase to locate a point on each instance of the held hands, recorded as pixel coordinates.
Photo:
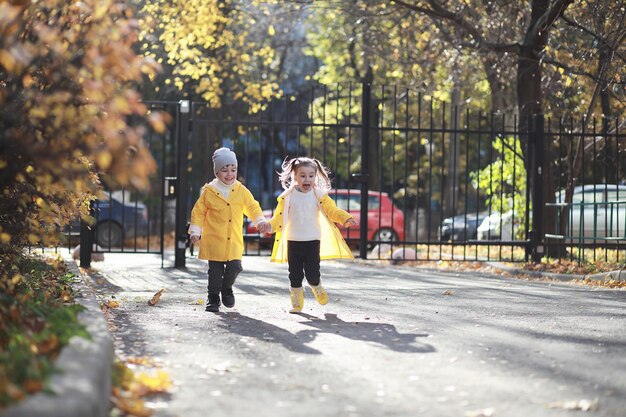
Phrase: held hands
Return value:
(350, 222)
(264, 227)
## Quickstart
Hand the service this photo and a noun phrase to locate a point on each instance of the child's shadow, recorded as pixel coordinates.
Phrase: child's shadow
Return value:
(246, 326)
(382, 334)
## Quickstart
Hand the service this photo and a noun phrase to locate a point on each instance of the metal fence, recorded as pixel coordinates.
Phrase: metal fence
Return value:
(587, 163)
(457, 177)
(429, 181)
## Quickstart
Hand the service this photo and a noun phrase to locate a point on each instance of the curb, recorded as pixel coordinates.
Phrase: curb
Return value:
(542, 274)
(82, 387)
(619, 275)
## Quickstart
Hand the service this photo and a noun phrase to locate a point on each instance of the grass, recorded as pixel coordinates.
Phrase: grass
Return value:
(37, 319)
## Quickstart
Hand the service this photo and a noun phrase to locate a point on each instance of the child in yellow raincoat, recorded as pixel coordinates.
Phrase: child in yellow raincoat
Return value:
(304, 223)
(217, 218)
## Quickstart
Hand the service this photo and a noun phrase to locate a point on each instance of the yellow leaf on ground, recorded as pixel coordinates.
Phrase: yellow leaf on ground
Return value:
(132, 406)
(152, 384)
(156, 297)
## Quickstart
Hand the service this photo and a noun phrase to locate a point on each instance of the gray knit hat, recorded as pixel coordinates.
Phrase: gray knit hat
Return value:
(223, 157)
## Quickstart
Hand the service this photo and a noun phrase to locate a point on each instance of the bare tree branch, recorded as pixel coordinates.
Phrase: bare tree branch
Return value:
(437, 11)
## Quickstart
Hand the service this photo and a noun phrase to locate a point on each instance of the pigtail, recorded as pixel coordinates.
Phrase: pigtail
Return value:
(286, 176)
(322, 179)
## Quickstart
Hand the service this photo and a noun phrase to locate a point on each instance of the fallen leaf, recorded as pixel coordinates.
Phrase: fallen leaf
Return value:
(32, 386)
(112, 304)
(448, 292)
(133, 406)
(150, 384)
(156, 297)
(141, 361)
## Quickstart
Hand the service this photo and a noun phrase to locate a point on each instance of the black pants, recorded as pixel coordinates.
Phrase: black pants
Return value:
(222, 276)
(304, 260)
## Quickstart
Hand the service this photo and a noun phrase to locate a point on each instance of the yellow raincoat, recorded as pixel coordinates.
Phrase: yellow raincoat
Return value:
(332, 244)
(221, 221)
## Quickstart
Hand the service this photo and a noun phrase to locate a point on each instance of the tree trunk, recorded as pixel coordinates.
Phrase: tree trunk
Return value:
(530, 100)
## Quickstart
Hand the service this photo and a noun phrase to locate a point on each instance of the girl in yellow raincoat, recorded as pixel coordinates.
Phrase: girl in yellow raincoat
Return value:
(304, 223)
(217, 217)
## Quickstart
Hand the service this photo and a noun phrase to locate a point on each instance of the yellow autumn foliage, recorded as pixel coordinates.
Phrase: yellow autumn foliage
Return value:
(68, 79)
(211, 48)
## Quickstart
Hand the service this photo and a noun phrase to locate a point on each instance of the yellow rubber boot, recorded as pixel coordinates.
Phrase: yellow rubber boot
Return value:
(320, 293)
(297, 299)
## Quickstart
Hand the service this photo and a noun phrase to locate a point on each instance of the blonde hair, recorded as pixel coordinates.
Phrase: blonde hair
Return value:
(291, 166)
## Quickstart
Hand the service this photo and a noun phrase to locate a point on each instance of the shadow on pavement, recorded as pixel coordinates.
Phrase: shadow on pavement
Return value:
(128, 338)
(246, 326)
(382, 334)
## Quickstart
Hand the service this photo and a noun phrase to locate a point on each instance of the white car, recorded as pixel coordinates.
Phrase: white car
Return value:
(597, 210)
(501, 227)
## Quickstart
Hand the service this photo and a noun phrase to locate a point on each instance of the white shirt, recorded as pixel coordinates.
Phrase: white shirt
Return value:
(303, 221)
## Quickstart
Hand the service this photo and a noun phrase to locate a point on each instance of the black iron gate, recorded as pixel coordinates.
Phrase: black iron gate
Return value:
(131, 221)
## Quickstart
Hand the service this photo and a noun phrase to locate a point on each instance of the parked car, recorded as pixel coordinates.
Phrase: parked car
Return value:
(597, 211)
(385, 221)
(116, 219)
(500, 227)
(460, 227)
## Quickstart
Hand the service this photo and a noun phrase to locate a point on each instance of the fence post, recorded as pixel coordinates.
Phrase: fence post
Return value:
(537, 178)
(183, 119)
(366, 100)
(86, 241)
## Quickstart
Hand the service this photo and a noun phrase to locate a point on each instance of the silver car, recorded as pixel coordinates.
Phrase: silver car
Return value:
(597, 211)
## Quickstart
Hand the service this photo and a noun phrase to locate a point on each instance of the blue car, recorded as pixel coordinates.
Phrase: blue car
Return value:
(116, 220)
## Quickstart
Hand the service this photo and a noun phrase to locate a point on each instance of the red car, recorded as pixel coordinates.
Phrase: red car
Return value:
(385, 221)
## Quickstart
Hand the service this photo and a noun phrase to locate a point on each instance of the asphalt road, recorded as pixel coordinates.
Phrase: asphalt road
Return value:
(392, 341)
